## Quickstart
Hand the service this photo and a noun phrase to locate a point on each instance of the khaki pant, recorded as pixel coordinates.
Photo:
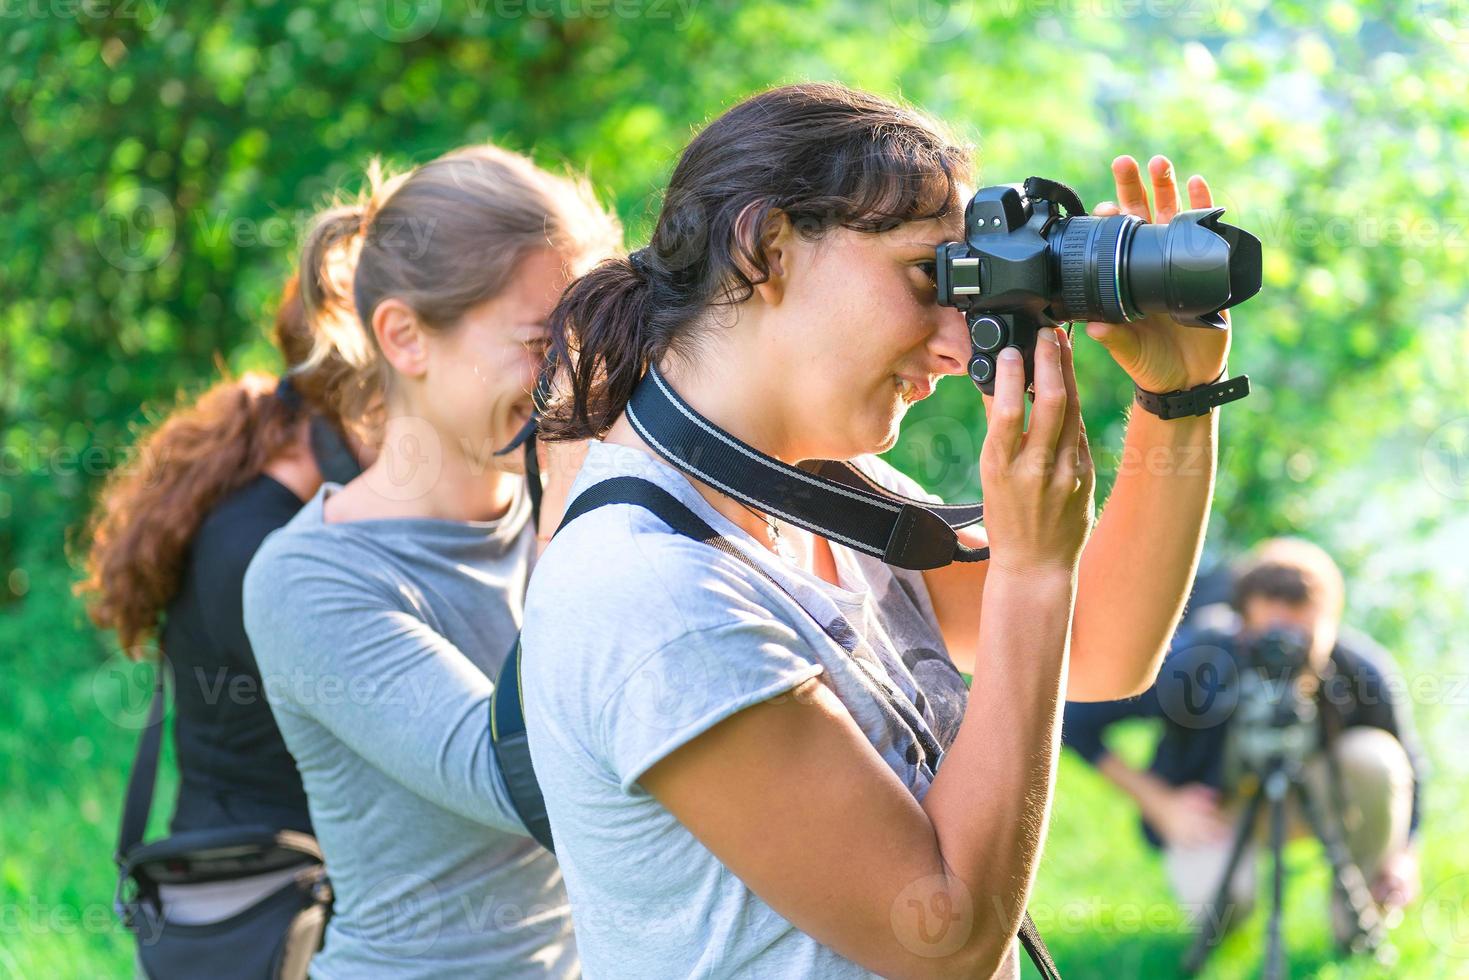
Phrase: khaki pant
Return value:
(1377, 791)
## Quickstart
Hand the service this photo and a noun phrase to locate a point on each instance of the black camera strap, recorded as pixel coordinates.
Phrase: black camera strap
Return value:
(833, 499)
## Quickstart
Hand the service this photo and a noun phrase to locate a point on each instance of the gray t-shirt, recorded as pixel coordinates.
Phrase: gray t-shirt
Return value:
(636, 641)
(378, 642)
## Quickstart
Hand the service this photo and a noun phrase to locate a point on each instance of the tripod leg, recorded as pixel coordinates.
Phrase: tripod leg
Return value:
(1368, 929)
(1277, 787)
(1213, 925)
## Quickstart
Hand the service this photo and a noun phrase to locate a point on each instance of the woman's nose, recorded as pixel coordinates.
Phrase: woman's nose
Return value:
(950, 344)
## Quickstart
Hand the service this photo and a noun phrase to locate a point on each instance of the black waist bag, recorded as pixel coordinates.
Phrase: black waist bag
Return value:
(507, 709)
(272, 938)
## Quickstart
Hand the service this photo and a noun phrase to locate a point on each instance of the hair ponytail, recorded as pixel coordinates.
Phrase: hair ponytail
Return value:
(201, 452)
(603, 333)
(151, 508)
(823, 155)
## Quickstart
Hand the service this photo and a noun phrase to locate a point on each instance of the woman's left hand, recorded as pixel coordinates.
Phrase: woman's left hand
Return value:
(1160, 354)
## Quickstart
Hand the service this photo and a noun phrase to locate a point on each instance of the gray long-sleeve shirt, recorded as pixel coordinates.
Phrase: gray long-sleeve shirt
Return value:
(378, 642)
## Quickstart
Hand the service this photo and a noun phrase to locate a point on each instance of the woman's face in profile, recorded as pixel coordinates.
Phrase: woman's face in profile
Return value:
(485, 367)
(860, 337)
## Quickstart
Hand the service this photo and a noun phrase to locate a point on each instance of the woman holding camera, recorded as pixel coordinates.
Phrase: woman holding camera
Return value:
(735, 786)
(383, 610)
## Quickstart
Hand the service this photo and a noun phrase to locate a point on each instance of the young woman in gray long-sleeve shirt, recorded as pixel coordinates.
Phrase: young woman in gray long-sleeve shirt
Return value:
(382, 612)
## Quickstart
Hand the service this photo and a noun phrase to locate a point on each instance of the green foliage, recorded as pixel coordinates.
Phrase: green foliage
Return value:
(161, 162)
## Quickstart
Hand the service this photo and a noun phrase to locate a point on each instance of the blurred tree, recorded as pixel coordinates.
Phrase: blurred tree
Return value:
(164, 160)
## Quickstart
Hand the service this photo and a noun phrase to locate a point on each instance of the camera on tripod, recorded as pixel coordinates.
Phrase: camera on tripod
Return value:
(1274, 733)
(1275, 722)
(1033, 258)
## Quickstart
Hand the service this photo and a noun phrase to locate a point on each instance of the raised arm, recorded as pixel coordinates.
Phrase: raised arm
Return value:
(793, 799)
(1138, 566)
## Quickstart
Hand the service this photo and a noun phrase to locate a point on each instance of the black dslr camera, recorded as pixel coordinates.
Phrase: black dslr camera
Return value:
(1032, 258)
(1274, 733)
(1274, 722)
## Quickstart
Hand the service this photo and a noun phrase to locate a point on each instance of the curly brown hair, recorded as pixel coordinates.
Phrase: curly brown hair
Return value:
(442, 237)
(202, 451)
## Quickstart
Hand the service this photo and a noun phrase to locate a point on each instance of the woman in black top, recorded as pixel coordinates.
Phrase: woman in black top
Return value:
(173, 534)
(234, 766)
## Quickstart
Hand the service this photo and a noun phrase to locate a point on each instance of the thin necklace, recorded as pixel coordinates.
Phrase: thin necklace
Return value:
(772, 531)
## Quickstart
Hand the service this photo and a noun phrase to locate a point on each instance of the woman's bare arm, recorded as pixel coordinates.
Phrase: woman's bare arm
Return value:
(792, 797)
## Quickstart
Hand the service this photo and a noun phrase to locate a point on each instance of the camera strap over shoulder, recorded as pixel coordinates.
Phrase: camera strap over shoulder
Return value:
(507, 710)
(837, 501)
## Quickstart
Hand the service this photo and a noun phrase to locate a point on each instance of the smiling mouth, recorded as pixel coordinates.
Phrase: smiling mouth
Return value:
(912, 391)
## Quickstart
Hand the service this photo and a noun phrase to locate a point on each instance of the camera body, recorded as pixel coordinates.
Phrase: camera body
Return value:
(1275, 721)
(1032, 258)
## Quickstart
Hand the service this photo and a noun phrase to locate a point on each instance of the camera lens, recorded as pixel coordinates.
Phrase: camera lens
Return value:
(1119, 268)
(1090, 253)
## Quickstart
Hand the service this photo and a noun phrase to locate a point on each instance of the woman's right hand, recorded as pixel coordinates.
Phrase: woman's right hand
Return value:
(1037, 481)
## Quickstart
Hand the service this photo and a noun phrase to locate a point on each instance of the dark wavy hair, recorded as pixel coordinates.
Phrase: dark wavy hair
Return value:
(824, 155)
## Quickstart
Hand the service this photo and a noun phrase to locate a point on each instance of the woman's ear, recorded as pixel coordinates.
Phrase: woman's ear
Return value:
(776, 238)
(401, 338)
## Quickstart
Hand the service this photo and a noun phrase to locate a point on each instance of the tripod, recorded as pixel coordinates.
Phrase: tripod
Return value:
(1282, 777)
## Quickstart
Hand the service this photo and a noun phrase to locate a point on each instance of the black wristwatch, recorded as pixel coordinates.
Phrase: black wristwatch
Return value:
(1199, 400)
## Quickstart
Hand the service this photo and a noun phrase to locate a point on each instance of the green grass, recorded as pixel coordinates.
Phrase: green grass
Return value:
(1102, 900)
(68, 727)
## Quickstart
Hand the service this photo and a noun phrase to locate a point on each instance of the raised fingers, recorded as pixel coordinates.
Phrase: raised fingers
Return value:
(1199, 195)
(1165, 188)
(1072, 434)
(1131, 195)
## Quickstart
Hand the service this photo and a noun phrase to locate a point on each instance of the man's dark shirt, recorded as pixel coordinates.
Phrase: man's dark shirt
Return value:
(1196, 692)
(234, 767)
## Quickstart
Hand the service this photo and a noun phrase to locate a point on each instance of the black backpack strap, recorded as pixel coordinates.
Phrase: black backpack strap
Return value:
(512, 751)
(507, 704)
(1035, 946)
(145, 772)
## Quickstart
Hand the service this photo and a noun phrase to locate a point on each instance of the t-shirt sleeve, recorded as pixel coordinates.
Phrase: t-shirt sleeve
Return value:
(691, 683)
(336, 647)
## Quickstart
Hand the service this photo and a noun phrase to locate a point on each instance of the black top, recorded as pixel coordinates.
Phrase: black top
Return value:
(1195, 694)
(234, 767)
